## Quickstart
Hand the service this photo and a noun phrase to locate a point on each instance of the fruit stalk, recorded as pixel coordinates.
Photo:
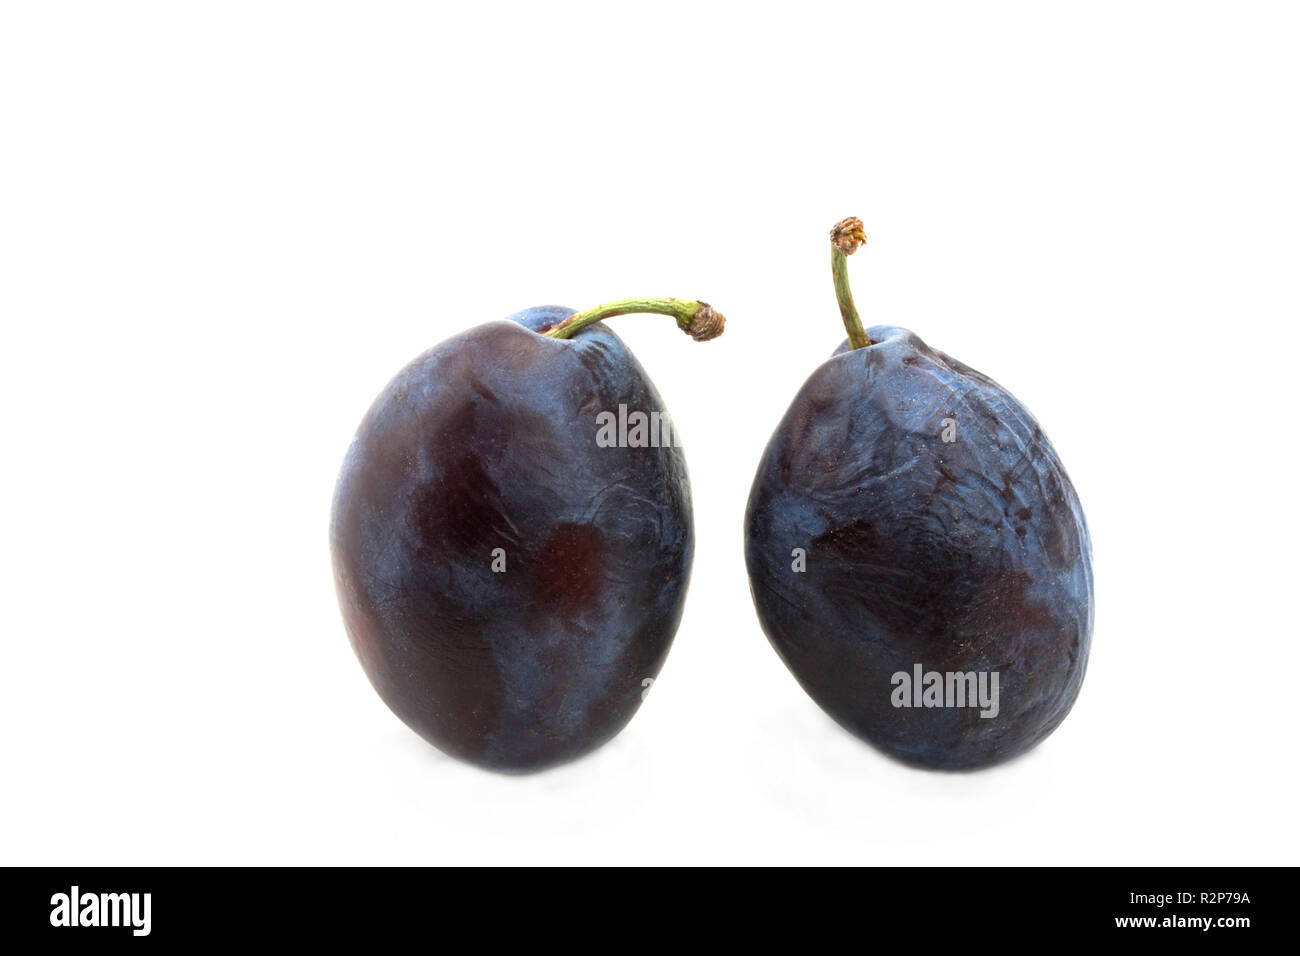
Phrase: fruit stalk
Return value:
(846, 238)
(699, 320)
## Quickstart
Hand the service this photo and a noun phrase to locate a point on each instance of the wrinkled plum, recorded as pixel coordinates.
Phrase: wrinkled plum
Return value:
(940, 536)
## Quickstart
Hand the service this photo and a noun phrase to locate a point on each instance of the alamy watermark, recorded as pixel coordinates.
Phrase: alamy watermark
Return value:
(635, 429)
(76, 908)
(923, 688)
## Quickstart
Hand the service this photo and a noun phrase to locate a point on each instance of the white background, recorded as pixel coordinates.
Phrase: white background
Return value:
(224, 226)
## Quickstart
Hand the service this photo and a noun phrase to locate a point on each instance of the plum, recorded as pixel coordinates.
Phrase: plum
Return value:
(510, 582)
(917, 554)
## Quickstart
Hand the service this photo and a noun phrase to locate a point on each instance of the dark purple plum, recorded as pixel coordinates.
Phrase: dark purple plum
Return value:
(510, 583)
(940, 532)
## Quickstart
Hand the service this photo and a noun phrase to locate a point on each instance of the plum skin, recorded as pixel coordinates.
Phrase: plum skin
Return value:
(966, 556)
(488, 441)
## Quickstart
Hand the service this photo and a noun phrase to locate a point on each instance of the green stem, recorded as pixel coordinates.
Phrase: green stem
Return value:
(846, 237)
(699, 320)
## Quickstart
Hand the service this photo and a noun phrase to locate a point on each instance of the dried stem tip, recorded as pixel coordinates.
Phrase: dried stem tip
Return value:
(707, 323)
(848, 235)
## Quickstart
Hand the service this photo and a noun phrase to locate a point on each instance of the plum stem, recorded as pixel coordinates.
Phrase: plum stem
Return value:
(846, 238)
(699, 320)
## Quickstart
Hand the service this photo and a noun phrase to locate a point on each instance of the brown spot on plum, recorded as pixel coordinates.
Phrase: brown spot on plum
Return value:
(569, 570)
(854, 540)
(946, 477)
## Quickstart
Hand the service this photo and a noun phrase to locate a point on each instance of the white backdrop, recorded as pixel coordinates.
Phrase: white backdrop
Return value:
(224, 226)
